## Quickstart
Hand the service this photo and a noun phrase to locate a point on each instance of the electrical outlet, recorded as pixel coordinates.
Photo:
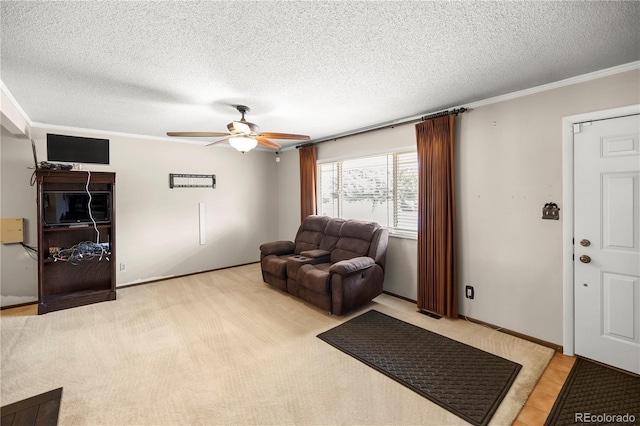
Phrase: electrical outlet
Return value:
(123, 267)
(468, 292)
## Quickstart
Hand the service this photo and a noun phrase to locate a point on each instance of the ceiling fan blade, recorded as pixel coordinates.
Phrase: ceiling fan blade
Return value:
(284, 136)
(197, 134)
(218, 141)
(266, 142)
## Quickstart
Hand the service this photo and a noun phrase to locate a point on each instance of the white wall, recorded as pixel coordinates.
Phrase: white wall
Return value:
(18, 271)
(12, 117)
(157, 227)
(505, 173)
(289, 190)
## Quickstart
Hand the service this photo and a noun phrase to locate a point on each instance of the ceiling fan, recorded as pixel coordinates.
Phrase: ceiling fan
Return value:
(243, 135)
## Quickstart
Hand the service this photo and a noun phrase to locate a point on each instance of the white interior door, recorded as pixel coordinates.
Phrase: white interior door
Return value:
(607, 241)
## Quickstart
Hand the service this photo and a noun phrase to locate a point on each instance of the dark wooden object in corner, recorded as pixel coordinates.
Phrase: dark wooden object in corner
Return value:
(63, 285)
(41, 410)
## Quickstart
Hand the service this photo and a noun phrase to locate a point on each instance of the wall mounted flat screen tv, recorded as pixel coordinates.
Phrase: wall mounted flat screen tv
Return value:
(74, 149)
(70, 208)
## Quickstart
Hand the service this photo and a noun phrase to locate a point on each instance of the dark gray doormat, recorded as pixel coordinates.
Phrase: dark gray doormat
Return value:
(39, 410)
(465, 380)
(596, 394)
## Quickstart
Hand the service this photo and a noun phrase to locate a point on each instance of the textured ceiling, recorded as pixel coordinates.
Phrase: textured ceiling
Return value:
(316, 68)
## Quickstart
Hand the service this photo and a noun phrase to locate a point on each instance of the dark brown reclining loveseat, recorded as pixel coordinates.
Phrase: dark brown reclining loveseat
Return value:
(334, 264)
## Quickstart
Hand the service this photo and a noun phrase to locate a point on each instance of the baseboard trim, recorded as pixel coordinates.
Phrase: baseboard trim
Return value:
(399, 297)
(35, 302)
(19, 305)
(182, 275)
(554, 346)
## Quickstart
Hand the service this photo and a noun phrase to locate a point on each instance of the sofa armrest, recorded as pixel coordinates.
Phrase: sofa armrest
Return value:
(277, 248)
(350, 266)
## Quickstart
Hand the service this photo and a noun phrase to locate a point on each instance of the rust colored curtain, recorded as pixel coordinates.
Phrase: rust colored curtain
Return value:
(437, 264)
(307, 181)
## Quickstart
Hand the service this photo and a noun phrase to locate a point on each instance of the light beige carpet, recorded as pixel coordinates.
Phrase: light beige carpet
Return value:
(224, 348)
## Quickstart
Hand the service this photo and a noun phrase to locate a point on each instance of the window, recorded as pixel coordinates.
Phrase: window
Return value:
(382, 188)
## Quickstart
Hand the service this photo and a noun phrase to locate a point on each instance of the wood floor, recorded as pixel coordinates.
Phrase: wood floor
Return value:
(535, 411)
(544, 395)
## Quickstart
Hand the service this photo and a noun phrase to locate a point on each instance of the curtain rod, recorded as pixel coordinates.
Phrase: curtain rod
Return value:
(444, 113)
(454, 111)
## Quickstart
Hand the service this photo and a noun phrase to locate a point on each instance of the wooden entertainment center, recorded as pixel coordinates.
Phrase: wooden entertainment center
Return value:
(80, 280)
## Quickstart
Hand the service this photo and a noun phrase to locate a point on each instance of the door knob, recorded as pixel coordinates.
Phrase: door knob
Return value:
(585, 259)
(585, 243)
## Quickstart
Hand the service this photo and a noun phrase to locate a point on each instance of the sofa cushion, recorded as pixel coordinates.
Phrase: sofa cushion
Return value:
(331, 234)
(358, 229)
(295, 262)
(275, 265)
(310, 233)
(307, 240)
(354, 240)
(316, 277)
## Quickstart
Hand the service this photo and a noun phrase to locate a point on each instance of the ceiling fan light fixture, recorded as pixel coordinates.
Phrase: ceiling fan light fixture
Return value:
(243, 143)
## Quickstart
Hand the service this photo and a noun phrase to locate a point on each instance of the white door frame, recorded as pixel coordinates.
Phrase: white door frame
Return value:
(568, 325)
